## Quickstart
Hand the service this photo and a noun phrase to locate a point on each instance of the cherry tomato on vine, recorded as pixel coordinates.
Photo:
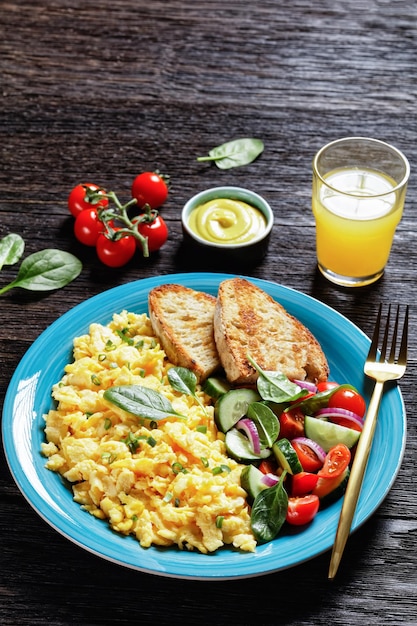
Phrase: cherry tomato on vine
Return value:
(88, 226)
(348, 399)
(150, 188)
(115, 253)
(302, 510)
(156, 232)
(77, 201)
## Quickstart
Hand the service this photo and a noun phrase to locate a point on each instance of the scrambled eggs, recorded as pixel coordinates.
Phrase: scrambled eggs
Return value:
(167, 483)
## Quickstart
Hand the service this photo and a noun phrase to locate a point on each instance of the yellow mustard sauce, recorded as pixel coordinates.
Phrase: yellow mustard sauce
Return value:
(227, 221)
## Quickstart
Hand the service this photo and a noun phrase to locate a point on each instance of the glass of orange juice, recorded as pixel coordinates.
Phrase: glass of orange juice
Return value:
(359, 187)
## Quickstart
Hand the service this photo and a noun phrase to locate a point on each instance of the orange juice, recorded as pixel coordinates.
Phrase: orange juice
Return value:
(356, 212)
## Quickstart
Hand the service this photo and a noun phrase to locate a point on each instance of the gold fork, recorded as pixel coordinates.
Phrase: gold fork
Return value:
(380, 370)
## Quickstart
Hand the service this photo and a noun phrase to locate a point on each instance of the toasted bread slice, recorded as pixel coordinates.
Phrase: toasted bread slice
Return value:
(182, 319)
(248, 321)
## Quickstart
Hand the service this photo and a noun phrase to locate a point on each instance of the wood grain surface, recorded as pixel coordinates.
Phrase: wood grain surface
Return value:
(103, 90)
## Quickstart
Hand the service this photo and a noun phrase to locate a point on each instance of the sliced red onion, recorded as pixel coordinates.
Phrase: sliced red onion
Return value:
(313, 445)
(306, 384)
(330, 412)
(250, 430)
(269, 479)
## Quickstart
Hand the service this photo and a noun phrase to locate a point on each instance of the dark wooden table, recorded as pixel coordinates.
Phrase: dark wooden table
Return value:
(101, 91)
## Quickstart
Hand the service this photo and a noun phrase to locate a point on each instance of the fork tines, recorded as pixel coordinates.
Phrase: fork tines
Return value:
(402, 355)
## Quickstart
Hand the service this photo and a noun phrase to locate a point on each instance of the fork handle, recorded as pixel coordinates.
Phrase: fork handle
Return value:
(355, 479)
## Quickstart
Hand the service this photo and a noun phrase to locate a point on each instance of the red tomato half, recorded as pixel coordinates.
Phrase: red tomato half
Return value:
(88, 226)
(348, 399)
(291, 424)
(336, 461)
(115, 253)
(303, 483)
(302, 510)
(156, 232)
(309, 460)
(149, 188)
(77, 199)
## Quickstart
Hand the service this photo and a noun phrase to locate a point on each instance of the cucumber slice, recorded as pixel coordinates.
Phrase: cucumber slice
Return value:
(287, 456)
(232, 406)
(331, 489)
(215, 387)
(238, 446)
(251, 481)
(328, 434)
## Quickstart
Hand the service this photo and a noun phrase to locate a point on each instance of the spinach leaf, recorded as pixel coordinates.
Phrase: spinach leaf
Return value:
(269, 511)
(266, 423)
(276, 387)
(11, 249)
(45, 270)
(141, 401)
(235, 153)
(185, 381)
(319, 401)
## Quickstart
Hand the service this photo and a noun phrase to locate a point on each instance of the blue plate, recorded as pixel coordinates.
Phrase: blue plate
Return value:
(29, 397)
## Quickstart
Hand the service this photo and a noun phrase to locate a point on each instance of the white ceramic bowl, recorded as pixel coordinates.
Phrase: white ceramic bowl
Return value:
(240, 254)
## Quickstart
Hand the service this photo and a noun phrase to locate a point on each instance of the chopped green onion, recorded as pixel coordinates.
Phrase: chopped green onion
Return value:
(109, 457)
(219, 521)
(204, 461)
(107, 423)
(220, 469)
(132, 442)
(201, 429)
(124, 337)
(151, 441)
(178, 468)
(95, 380)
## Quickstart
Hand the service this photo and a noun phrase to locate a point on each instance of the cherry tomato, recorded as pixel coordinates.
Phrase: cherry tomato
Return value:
(88, 226)
(156, 232)
(77, 199)
(303, 483)
(115, 253)
(302, 510)
(291, 424)
(336, 461)
(325, 386)
(149, 188)
(309, 460)
(348, 399)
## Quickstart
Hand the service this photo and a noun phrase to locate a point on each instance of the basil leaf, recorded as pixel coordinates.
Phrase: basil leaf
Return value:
(235, 153)
(269, 511)
(11, 249)
(185, 381)
(46, 270)
(266, 423)
(141, 401)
